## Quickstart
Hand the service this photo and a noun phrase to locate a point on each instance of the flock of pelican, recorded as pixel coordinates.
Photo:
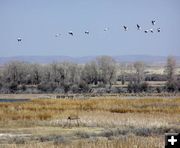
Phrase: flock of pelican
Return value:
(145, 31)
(19, 39)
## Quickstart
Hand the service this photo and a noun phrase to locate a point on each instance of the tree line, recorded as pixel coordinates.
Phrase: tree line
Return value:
(101, 74)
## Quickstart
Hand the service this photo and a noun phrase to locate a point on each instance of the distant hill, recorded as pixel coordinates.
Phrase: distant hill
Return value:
(81, 60)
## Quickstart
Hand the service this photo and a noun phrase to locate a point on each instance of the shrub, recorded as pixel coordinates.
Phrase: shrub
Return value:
(59, 90)
(155, 77)
(66, 87)
(13, 87)
(135, 87)
(83, 87)
(144, 87)
(4, 90)
(171, 86)
(158, 89)
(47, 87)
(74, 88)
(82, 134)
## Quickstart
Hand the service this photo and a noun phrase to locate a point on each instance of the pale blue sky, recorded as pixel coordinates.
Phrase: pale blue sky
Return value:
(37, 22)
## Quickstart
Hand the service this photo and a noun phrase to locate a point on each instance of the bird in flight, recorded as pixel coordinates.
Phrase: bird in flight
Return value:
(153, 22)
(138, 27)
(125, 28)
(71, 33)
(151, 30)
(86, 32)
(106, 29)
(146, 31)
(158, 29)
(57, 35)
(19, 39)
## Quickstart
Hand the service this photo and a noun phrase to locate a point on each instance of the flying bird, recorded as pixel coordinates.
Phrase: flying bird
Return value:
(71, 33)
(57, 35)
(86, 32)
(158, 29)
(125, 28)
(153, 22)
(146, 31)
(151, 30)
(106, 29)
(138, 27)
(19, 39)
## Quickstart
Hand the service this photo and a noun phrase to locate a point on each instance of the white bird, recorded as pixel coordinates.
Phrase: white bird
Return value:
(153, 22)
(125, 28)
(158, 29)
(57, 35)
(86, 32)
(146, 31)
(71, 33)
(106, 29)
(151, 30)
(19, 39)
(138, 27)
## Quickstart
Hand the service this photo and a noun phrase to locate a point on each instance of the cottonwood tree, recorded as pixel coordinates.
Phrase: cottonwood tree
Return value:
(139, 72)
(170, 72)
(72, 75)
(170, 69)
(137, 83)
(54, 73)
(122, 68)
(46, 74)
(65, 74)
(15, 72)
(90, 73)
(130, 71)
(36, 73)
(106, 69)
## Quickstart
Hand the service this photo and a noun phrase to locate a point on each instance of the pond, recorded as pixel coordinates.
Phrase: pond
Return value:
(14, 100)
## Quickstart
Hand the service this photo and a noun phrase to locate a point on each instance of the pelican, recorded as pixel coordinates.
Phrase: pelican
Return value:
(57, 35)
(151, 30)
(158, 29)
(125, 28)
(19, 39)
(146, 31)
(71, 33)
(153, 22)
(138, 27)
(106, 29)
(86, 32)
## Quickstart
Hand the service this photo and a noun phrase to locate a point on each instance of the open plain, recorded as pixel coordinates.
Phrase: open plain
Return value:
(106, 121)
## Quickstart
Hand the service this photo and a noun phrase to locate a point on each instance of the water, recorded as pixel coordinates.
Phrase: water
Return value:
(14, 100)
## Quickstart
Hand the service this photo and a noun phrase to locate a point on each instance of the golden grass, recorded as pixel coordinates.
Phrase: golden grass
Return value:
(122, 142)
(149, 117)
(44, 109)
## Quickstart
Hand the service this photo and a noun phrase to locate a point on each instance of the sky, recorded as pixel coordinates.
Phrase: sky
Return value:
(37, 22)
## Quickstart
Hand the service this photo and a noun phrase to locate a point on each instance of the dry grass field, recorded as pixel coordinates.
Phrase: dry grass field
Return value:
(104, 122)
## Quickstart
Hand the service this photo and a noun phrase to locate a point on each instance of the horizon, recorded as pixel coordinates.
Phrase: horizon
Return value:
(141, 55)
(148, 59)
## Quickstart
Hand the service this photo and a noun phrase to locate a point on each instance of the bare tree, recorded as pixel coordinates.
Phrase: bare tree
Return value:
(15, 72)
(90, 73)
(46, 73)
(139, 72)
(55, 73)
(107, 69)
(36, 73)
(170, 72)
(122, 72)
(170, 69)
